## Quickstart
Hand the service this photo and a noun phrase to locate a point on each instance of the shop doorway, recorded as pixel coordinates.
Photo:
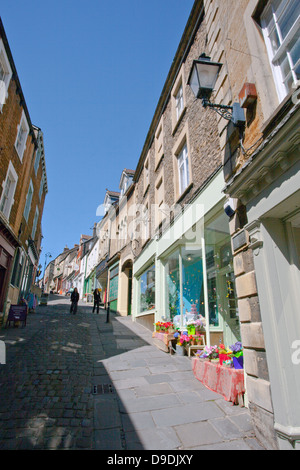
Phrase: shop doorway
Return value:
(231, 324)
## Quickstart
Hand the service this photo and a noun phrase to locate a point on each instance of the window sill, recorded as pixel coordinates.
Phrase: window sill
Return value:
(146, 312)
(177, 124)
(182, 195)
(278, 114)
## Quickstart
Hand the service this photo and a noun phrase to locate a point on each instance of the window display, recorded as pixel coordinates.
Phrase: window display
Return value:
(189, 297)
(147, 290)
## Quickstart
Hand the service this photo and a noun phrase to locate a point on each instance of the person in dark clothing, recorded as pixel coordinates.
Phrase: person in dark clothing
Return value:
(74, 300)
(97, 300)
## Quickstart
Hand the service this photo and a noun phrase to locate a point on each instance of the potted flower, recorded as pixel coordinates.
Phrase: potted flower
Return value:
(211, 353)
(199, 339)
(182, 340)
(237, 355)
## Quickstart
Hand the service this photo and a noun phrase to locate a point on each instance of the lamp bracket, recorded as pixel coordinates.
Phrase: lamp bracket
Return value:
(223, 110)
(234, 113)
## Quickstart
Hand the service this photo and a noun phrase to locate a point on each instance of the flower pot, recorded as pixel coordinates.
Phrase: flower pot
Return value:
(238, 362)
(191, 330)
(180, 350)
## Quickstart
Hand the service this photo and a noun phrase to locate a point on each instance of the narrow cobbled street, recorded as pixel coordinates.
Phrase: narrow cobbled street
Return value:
(80, 382)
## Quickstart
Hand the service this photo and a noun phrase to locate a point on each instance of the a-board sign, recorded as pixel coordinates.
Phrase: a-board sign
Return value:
(17, 313)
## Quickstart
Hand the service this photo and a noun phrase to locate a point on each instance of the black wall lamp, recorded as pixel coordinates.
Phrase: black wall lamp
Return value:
(202, 80)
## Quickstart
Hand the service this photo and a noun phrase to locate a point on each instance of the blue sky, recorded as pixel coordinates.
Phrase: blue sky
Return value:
(92, 72)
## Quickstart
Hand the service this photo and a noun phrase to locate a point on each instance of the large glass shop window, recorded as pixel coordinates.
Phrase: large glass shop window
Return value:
(222, 302)
(184, 278)
(190, 282)
(147, 290)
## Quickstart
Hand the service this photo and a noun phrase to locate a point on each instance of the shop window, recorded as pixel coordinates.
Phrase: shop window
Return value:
(221, 294)
(147, 290)
(113, 287)
(188, 292)
(280, 23)
(184, 273)
(17, 269)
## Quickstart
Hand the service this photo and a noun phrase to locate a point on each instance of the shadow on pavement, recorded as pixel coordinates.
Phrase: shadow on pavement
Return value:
(57, 386)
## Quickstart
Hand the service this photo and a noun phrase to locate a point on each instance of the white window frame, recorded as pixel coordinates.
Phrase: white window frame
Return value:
(35, 221)
(41, 188)
(183, 164)
(4, 81)
(20, 144)
(146, 173)
(37, 160)
(7, 196)
(283, 49)
(28, 201)
(179, 102)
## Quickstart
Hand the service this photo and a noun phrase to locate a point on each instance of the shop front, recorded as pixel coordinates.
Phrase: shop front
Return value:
(101, 279)
(187, 274)
(113, 276)
(199, 283)
(8, 246)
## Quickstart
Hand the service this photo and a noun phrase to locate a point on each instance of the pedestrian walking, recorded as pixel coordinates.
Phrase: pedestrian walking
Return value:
(74, 300)
(97, 300)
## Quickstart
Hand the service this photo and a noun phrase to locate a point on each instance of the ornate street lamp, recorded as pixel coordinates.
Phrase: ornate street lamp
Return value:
(202, 79)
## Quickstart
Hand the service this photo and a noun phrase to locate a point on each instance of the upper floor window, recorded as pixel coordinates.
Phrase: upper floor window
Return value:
(5, 75)
(179, 102)
(41, 188)
(9, 187)
(280, 21)
(28, 201)
(37, 160)
(23, 131)
(183, 169)
(146, 174)
(178, 99)
(159, 143)
(35, 221)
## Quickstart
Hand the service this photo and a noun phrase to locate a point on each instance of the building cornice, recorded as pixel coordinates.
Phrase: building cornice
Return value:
(278, 152)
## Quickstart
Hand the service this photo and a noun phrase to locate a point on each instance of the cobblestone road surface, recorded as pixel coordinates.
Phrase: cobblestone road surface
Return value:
(77, 382)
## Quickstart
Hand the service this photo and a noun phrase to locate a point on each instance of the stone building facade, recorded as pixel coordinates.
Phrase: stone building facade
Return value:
(261, 170)
(260, 180)
(23, 185)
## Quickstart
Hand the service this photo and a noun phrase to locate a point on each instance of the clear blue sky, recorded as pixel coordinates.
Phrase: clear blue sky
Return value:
(92, 72)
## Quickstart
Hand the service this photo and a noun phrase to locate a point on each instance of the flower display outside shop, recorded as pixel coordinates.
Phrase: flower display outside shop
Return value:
(229, 357)
(196, 325)
(164, 327)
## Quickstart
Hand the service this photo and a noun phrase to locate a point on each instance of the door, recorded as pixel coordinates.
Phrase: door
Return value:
(129, 291)
(231, 323)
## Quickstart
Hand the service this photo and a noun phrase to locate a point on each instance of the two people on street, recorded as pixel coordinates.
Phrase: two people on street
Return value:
(74, 301)
(97, 300)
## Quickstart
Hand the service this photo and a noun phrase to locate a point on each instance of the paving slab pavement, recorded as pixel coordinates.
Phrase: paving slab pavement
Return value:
(78, 382)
